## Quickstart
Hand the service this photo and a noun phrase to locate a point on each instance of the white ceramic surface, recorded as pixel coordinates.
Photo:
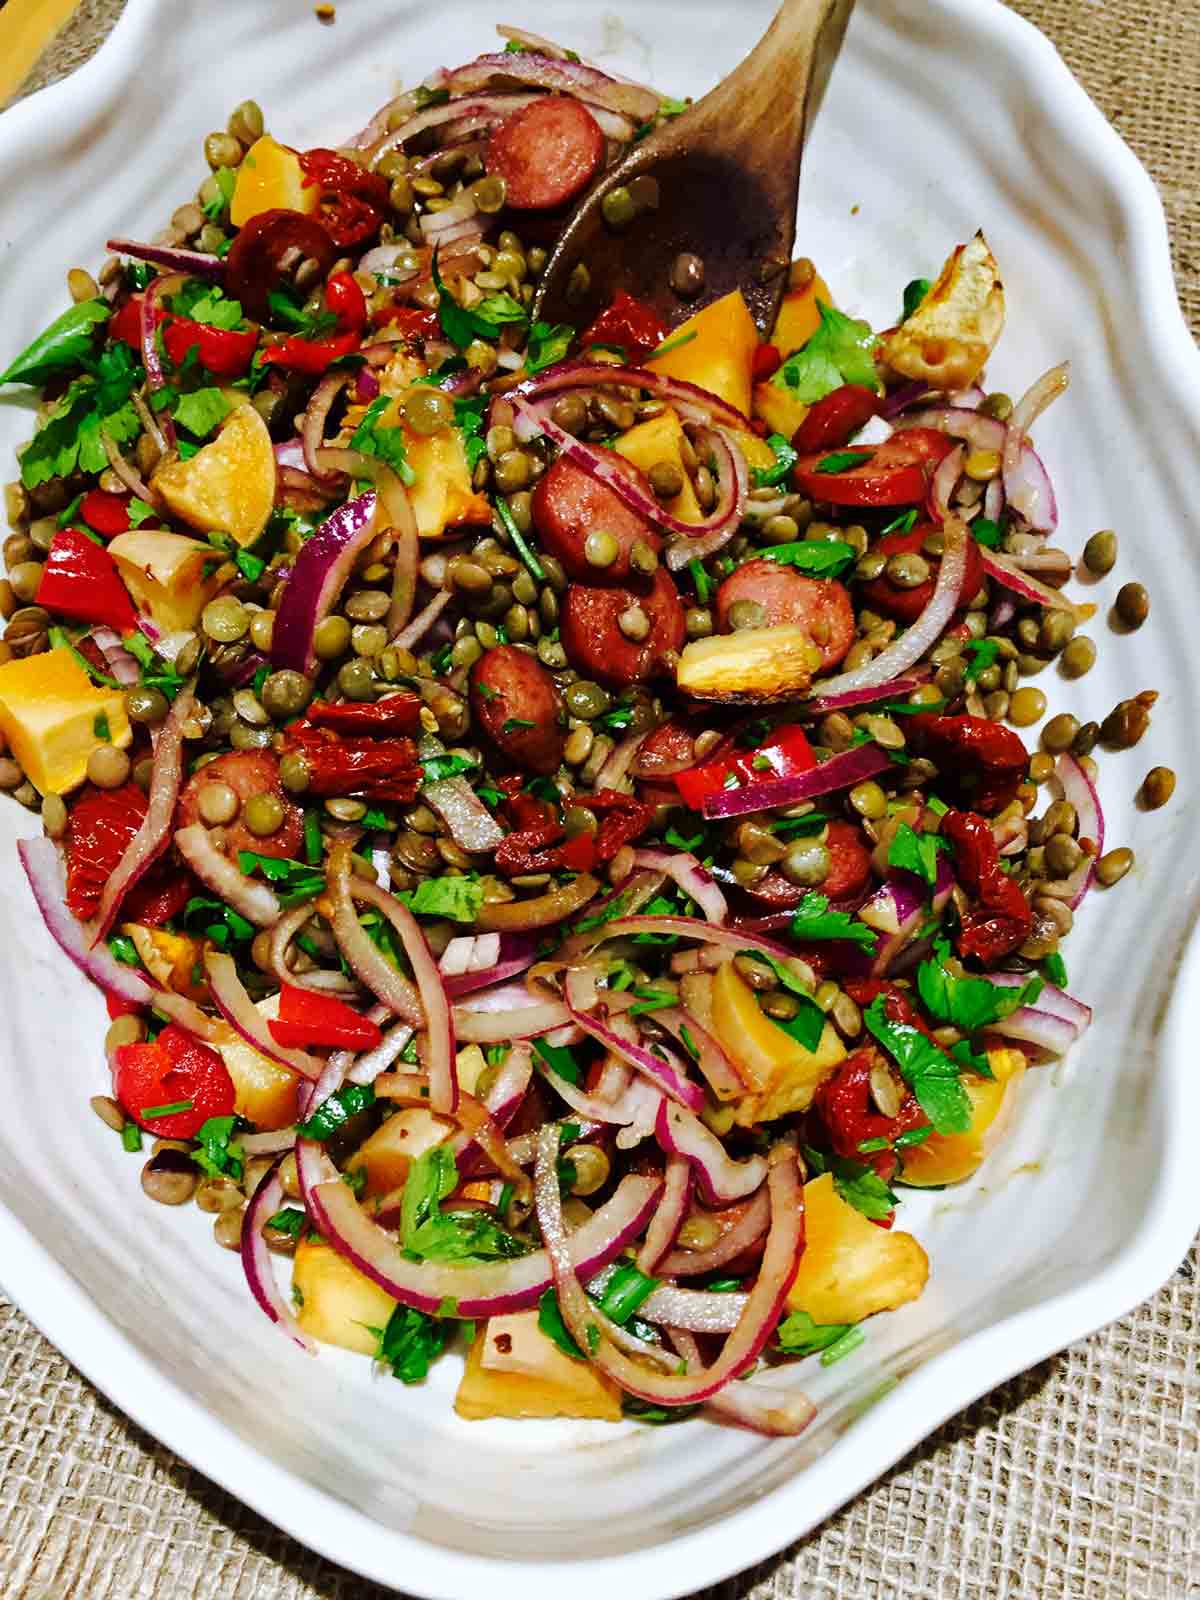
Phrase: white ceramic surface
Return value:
(944, 115)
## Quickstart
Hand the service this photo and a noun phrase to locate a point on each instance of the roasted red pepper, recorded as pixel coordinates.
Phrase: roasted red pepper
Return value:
(162, 894)
(766, 362)
(397, 713)
(784, 753)
(371, 769)
(834, 419)
(174, 1069)
(254, 265)
(125, 325)
(307, 1018)
(843, 1102)
(636, 328)
(100, 825)
(80, 580)
(411, 321)
(106, 514)
(224, 352)
(353, 201)
(348, 304)
(981, 761)
(1002, 920)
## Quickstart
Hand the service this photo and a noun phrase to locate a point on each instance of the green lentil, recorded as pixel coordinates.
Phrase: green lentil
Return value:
(1060, 731)
(1100, 552)
(1132, 605)
(1111, 868)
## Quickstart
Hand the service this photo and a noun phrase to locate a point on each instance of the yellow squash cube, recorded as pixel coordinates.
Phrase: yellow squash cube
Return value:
(335, 1302)
(850, 1267)
(951, 1157)
(391, 1150)
(514, 1370)
(799, 317)
(720, 357)
(661, 439)
(442, 496)
(53, 717)
(779, 409)
(267, 1093)
(271, 178)
(165, 574)
(228, 486)
(785, 1074)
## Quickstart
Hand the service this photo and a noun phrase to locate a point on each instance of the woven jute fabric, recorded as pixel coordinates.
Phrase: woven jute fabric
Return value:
(1079, 1480)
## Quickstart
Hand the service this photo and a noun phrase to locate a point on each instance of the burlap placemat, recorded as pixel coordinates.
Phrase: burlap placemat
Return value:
(1078, 1481)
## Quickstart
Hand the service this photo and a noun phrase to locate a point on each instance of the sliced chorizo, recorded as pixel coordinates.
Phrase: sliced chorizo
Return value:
(906, 605)
(247, 772)
(569, 504)
(821, 605)
(547, 153)
(595, 645)
(849, 871)
(516, 703)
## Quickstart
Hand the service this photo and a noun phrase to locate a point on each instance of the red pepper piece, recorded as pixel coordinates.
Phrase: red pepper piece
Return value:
(307, 1018)
(784, 753)
(836, 418)
(622, 819)
(627, 322)
(1002, 920)
(372, 769)
(983, 761)
(225, 352)
(174, 1068)
(80, 580)
(766, 362)
(100, 825)
(125, 325)
(254, 266)
(121, 1008)
(412, 322)
(844, 1105)
(106, 514)
(348, 304)
(398, 713)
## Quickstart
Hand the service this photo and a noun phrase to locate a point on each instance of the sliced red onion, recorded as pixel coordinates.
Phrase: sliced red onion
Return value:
(316, 415)
(819, 705)
(759, 1406)
(120, 663)
(1004, 570)
(300, 489)
(1054, 1000)
(620, 759)
(748, 1230)
(282, 934)
(575, 78)
(402, 106)
(733, 939)
(372, 1063)
(127, 474)
(993, 500)
(925, 632)
(1081, 792)
(486, 1290)
(1037, 1027)
(714, 1065)
(532, 41)
(255, 901)
(365, 959)
(256, 1258)
(982, 433)
(781, 1259)
(366, 386)
(908, 394)
(635, 1106)
(248, 1022)
(407, 556)
(669, 1215)
(197, 263)
(691, 402)
(695, 880)
(152, 838)
(155, 377)
(408, 638)
(945, 481)
(43, 867)
(669, 1074)
(720, 1179)
(488, 109)
(694, 1309)
(321, 568)
(1003, 612)
(495, 1017)
(472, 826)
(842, 771)
(434, 224)
(438, 1021)
(502, 1102)
(479, 960)
(1026, 482)
(1056, 562)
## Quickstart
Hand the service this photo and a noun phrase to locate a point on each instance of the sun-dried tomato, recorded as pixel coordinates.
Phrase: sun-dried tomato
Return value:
(369, 769)
(983, 761)
(622, 819)
(396, 713)
(897, 1006)
(1002, 920)
(843, 1102)
(353, 201)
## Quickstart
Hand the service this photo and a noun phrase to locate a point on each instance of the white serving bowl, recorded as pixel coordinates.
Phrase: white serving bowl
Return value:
(944, 115)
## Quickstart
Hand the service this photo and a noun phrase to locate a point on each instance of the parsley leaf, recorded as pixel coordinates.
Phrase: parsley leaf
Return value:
(1055, 969)
(460, 899)
(468, 419)
(916, 852)
(139, 512)
(550, 1322)
(292, 881)
(814, 920)
(914, 293)
(438, 768)
(205, 302)
(559, 1059)
(807, 1026)
(423, 96)
(983, 655)
(70, 436)
(520, 544)
(201, 410)
(305, 324)
(701, 581)
(820, 558)
(216, 920)
(969, 1003)
(987, 532)
(387, 444)
(290, 1221)
(483, 321)
(843, 460)
(785, 460)
(859, 1185)
(61, 346)
(930, 1073)
(410, 1343)
(842, 350)
(433, 1235)
(332, 1115)
(218, 1154)
(548, 343)
(799, 1335)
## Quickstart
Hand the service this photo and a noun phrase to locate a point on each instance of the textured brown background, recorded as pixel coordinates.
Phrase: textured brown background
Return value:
(1078, 1481)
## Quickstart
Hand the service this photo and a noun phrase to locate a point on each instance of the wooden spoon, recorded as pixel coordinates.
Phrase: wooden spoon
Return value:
(726, 173)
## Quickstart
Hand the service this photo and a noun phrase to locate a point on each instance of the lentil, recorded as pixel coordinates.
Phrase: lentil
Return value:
(1100, 553)
(1157, 788)
(1132, 605)
(1111, 868)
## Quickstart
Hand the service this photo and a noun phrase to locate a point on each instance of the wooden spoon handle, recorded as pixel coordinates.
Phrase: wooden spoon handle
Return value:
(758, 98)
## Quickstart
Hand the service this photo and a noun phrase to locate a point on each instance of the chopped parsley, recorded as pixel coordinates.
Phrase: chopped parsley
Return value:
(931, 1074)
(858, 1185)
(559, 1059)
(983, 653)
(468, 419)
(205, 302)
(289, 1221)
(799, 1335)
(914, 293)
(904, 523)
(547, 344)
(292, 881)
(201, 410)
(916, 852)
(460, 899)
(429, 1234)
(483, 321)
(807, 1026)
(303, 323)
(668, 345)
(814, 920)
(785, 460)
(370, 438)
(627, 1289)
(410, 1343)
(701, 581)
(332, 1115)
(841, 351)
(986, 532)
(437, 768)
(70, 437)
(843, 460)
(969, 1003)
(66, 343)
(217, 921)
(1055, 969)
(820, 558)
(217, 1152)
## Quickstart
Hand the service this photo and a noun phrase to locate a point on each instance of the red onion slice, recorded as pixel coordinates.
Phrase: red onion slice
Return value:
(694, 1309)
(691, 402)
(127, 474)
(781, 1259)
(438, 1021)
(695, 880)
(486, 1290)
(510, 954)
(819, 705)
(256, 1259)
(1037, 1027)
(155, 377)
(365, 959)
(471, 824)
(1005, 571)
(197, 263)
(1054, 1000)
(1029, 497)
(487, 109)
(669, 1074)
(620, 759)
(248, 1022)
(780, 1414)
(275, 1141)
(748, 1230)
(982, 433)
(720, 1179)
(714, 1065)
(575, 78)
(478, 1023)
(254, 901)
(316, 415)
(1081, 792)
(945, 481)
(842, 771)
(407, 554)
(152, 838)
(630, 1107)
(408, 638)
(369, 1066)
(321, 568)
(668, 1218)
(925, 632)
(120, 663)
(502, 1102)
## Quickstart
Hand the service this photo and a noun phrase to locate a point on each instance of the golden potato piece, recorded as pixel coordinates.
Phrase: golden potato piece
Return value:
(952, 332)
(271, 178)
(513, 1370)
(335, 1302)
(850, 1268)
(228, 486)
(753, 667)
(785, 1075)
(951, 1157)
